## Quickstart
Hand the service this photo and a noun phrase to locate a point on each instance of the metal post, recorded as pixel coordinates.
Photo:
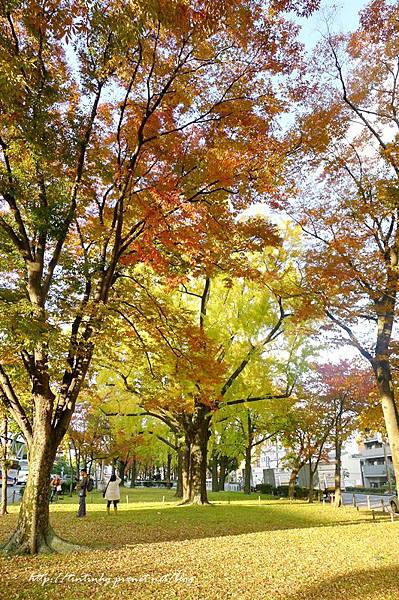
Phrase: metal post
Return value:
(383, 505)
(368, 502)
(373, 514)
(127, 498)
(259, 500)
(354, 500)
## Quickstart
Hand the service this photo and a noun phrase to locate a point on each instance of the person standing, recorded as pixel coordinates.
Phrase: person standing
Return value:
(81, 488)
(112, 493)
(55, 487)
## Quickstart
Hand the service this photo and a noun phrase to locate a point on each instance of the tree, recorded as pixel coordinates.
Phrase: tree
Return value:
(243, 431)
(351, 137)
(305, 437)
(126, 131)
(207, 347)
(225, 450)
(349, 394)
(89, 435)
(3, 462)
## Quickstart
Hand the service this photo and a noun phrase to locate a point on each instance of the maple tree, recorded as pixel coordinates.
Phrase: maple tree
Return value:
(129, 131)
(349, 139)
(305, 436)
(348, 395)
(89, 435)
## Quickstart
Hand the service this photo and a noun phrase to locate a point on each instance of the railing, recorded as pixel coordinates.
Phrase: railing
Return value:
(375, 452)
(374, 470)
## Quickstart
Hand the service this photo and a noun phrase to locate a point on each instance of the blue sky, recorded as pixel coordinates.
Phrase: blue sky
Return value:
(343, 17)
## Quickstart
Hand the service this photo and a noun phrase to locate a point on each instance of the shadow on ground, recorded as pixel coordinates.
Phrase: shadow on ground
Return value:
(133, 525)
(380, 583)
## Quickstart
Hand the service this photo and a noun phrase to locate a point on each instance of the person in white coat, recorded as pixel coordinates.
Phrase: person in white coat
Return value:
(112, 493)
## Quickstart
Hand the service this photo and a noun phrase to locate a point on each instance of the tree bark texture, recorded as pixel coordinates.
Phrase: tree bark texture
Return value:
(197, 433)
(337, 477)
(3, 466)
(214, 470)
(292, 482)
(223, 462)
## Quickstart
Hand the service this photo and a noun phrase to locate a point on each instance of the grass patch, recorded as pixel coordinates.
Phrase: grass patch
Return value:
(238, 548)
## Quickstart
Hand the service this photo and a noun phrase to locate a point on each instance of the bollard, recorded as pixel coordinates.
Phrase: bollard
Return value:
(383, 505)
(127, 499)
(163, 499)
(13, 496)
(373, 514)
(323, 501)
(368, 502)
(258, 499)
(354, 500)
(392, 516)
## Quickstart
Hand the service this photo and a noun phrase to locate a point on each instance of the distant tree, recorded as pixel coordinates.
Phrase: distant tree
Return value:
(349, 393)
(305, 438)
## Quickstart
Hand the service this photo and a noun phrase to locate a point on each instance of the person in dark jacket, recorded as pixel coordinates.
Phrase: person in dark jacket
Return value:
(81, 488)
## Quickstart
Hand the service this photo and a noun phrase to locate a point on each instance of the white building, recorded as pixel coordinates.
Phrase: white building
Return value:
(268, 467)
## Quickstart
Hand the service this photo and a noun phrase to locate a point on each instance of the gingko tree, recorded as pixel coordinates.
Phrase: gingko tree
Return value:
(127, 130)
(248, 428)
(208, 346)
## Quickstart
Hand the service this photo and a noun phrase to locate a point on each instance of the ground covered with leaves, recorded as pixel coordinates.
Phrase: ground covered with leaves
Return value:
(238, 548)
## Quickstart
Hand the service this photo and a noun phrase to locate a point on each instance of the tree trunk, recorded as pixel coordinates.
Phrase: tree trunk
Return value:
(168, 470)
(292, 482)
(121, 469)
(311, 481)
(134, 474)
(197, 434)
(180, 460)
(214, 469)
(72, 470)
(338, 484)
(223, 460)
(387, 466)
(248, 470)
(34, 533)
(3, 467)
(389, 409)
(248, 455)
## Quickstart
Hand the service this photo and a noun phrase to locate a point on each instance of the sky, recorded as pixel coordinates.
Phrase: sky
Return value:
(342, 16)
